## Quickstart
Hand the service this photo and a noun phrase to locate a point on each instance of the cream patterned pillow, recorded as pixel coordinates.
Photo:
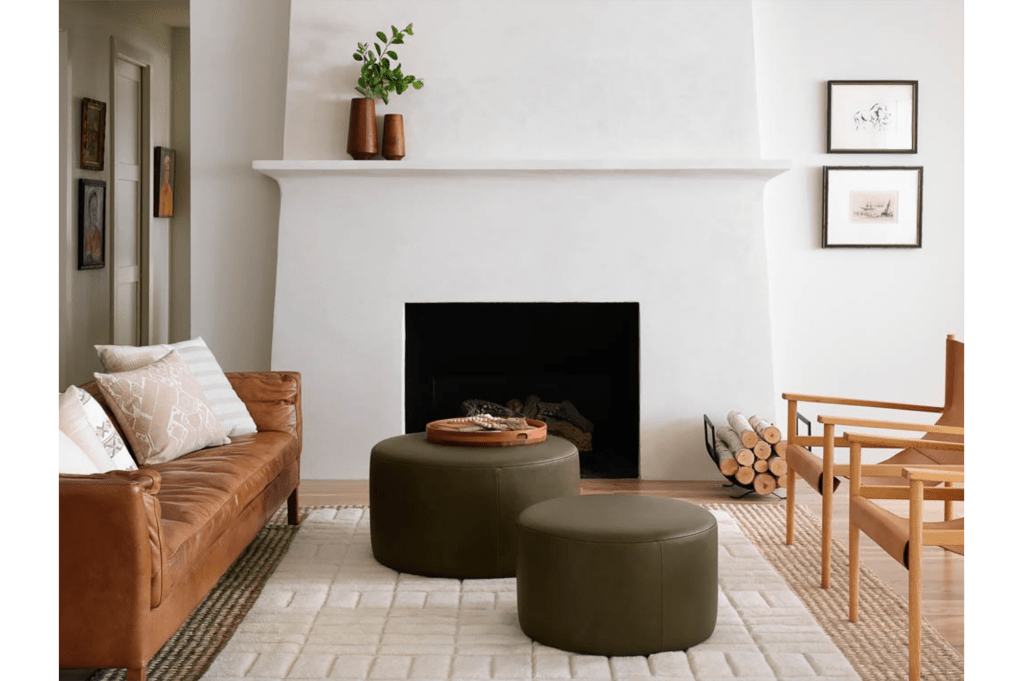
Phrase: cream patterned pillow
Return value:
(85, 422)
(73, 459)
(162, 410)
(230, 410)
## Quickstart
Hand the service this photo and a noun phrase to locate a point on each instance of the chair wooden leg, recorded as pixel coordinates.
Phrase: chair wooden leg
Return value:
(854, 572)
(136, 674)
(916, 541)
(827, 497)
(293, 508)
(790, 505)
(949, 508)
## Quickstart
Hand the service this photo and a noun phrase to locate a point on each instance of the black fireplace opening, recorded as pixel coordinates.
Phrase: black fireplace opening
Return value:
(573, 365)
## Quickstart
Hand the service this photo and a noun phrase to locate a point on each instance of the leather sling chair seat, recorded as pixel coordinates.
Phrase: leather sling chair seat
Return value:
(451, 511)
(617, 574)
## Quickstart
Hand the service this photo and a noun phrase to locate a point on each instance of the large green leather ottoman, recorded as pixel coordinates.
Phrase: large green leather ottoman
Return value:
(450, 511)
(615, 574)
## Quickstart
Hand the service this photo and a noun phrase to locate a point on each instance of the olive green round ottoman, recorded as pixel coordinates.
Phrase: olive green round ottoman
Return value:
(615, 574)
(448, 511)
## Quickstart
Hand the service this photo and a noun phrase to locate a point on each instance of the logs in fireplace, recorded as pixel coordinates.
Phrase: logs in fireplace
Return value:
(562, 418)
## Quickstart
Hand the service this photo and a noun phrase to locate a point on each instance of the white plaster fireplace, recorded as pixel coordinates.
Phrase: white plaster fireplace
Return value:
(570, 202)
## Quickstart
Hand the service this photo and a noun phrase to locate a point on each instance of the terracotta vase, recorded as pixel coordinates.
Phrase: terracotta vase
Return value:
(394, 137)
(362, 129)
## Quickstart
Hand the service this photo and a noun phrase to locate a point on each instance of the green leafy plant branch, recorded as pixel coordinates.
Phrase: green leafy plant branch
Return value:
(381, 71)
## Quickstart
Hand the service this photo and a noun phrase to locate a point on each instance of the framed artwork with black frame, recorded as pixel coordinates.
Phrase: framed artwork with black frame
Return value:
(92, 195)
(94, 132)
(872, 116)
(870, 207)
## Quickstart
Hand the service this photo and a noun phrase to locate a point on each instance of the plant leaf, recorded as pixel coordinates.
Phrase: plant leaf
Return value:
(394, 31)
(418, 85)
(378, 47)
(357, 57)
(398, 41)
(408, 29)
(393, 55)
(383, 95)
(383, 38)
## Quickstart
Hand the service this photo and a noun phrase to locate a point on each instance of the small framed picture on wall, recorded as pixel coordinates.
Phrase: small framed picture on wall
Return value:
(163, 182)
(92, 195)
(872, 116)
(866, 207)
(94, 132)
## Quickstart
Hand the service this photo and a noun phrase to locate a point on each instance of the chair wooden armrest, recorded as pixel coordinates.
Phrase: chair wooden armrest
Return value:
(891, 425)
(868, 440)
(943, 474)
(794, 397)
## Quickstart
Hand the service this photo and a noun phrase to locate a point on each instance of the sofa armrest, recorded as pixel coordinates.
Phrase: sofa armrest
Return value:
(273, 398)
(111, 552)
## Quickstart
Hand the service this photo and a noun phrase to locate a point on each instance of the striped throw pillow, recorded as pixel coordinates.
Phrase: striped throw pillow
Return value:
(232, 413)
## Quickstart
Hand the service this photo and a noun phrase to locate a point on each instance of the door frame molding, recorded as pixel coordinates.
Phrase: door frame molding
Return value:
(119, 49)
(65, 220)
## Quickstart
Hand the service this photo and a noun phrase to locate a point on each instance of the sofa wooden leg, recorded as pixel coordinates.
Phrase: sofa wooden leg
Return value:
(293, 508)
(136, 674)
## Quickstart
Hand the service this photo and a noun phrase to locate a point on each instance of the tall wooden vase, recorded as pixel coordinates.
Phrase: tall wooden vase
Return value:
(362, 129)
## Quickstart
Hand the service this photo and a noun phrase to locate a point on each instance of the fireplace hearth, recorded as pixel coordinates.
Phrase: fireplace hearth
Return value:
(574, 365)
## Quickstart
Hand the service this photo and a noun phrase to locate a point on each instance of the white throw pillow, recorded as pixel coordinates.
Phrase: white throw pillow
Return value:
(73, 459)
(85, 422)
(162, 410)
(232, 413)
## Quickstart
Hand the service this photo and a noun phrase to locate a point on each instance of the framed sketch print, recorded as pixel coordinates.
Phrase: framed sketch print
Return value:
(91, 223)
(866, 207)
(163, 182)
(872, 116)
(94, 130)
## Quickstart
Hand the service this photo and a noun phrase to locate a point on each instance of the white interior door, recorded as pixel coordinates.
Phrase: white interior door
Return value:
(126, 241)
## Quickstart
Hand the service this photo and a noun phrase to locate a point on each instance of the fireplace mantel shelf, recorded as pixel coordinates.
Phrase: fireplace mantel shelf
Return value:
(408, 167)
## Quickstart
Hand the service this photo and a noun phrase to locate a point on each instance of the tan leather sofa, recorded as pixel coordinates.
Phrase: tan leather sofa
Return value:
(140, 549)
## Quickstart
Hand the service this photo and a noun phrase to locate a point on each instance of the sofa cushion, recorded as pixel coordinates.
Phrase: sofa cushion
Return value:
(85, 421)
(232, 413)
(162, 410)
(73, 459)
(202, 493)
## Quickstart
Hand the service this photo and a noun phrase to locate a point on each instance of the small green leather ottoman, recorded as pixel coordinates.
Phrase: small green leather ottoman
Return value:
(449, 511)
(615, 574)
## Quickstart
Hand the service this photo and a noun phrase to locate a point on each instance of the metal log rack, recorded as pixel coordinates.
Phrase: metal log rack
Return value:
(741, 490)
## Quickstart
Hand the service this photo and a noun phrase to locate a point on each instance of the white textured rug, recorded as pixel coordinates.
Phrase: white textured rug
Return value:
(330, 611)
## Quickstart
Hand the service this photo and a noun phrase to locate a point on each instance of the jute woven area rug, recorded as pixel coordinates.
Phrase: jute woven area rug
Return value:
(877, 645)
(328, 611)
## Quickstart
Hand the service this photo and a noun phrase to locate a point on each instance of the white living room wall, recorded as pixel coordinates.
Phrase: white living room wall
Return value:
(239, 53)
(89, 26)
(861, 322)
(885, 312)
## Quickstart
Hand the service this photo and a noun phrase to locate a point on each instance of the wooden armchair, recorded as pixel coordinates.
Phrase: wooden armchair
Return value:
(921, 453)
(903, 538)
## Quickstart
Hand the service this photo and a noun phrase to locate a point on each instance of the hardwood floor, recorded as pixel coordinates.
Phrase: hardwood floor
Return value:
(943, 571)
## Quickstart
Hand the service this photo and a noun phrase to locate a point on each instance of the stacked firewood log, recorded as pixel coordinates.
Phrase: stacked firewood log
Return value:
(746, 453)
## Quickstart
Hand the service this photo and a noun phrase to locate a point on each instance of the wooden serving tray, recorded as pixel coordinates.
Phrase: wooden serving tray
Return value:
(449, 432)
